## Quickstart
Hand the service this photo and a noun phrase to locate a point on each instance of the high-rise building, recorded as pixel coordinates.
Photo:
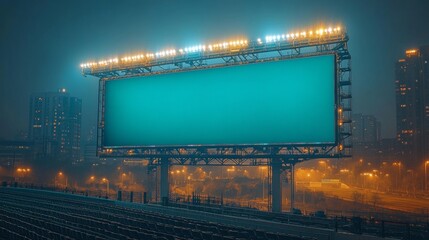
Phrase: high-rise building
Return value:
(365, 129)
(367, 142)
(90, 147)
(412, 105)
(365, 137)
(55, 125)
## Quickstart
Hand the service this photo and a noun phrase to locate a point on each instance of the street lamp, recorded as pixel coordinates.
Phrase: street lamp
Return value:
(19, 170)
(92, 179)
(426, 179)
(368, 175)
(398, 164)
(23, 172)
(325, 164)
(91, 183)
(122, 178)
(107, 186)
(228, 170)
(60, 174)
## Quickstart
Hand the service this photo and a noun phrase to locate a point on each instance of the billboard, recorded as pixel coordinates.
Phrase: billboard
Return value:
(285, 102)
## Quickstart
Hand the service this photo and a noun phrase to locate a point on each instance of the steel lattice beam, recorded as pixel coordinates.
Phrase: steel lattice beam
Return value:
(239, 155)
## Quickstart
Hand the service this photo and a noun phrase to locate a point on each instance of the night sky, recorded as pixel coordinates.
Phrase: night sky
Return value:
(42, 43)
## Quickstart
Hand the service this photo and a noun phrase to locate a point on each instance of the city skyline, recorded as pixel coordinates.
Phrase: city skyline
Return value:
(242, 119)
(86, 37)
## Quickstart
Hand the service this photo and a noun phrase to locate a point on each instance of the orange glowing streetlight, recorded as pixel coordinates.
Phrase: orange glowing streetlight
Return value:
(426, 179)
(92, 180)
(107, 186)
(58, 175)
(398, 164)
(324, 163)
(122, 178)
(23, 172)
(369, 175)
(228, 170)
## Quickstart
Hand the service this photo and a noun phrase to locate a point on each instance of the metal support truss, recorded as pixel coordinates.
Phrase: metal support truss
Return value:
(225, 156)
(239, 155)
(345, 99)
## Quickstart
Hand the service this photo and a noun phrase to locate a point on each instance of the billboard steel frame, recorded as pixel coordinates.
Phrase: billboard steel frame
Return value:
(238, 155)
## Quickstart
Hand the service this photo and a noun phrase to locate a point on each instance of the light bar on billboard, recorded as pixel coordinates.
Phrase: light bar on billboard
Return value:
(215, 47)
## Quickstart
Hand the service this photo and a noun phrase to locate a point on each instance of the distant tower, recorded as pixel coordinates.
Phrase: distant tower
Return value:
(55, 125)
(412, 105)
(365, 129)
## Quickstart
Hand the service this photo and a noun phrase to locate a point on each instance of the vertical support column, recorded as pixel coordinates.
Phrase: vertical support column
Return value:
(276, 185)
(292, 187)
(270, 192)
(165, 187)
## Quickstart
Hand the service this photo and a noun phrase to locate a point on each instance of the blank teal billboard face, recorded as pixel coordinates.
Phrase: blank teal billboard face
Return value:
(279, 102)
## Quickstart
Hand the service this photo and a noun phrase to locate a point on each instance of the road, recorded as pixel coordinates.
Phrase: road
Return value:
(386, 200)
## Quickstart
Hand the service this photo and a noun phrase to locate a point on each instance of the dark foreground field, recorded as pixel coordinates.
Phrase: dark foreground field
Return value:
(35, 214)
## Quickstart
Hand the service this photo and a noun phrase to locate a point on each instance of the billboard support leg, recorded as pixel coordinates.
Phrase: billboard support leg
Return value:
(292, 187)
(165, 188)
(276, 186)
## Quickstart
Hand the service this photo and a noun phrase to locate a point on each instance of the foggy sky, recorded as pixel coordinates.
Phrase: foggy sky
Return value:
(42, 43)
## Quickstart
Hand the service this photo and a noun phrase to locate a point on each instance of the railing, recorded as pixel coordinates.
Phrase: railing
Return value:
(356, 224)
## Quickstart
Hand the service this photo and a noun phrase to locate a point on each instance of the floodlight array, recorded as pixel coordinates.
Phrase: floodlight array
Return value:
(302, 35)
(216, 47)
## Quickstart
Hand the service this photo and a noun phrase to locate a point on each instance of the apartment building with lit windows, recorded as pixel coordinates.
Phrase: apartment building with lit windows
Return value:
(412, 105)
(55, 125)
